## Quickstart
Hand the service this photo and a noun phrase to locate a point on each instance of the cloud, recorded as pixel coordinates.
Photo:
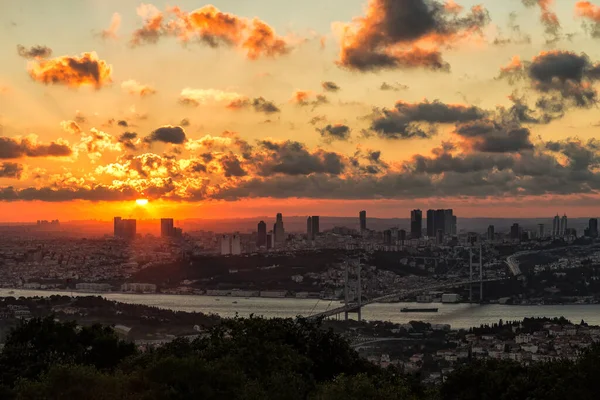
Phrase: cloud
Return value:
(591, 14)
(111, 31)
(71, 127)
(167, 134)
(402, 122)
(306, 98)
(395, 87)
(397, 34)
(185, 122)
(72, 71)
(329, 86)
(490, 137)
(293, 158)
(34, 51)
(259, 104)
(232, 166)
(198, 97)
(129, 140)
(94, 193)
(335, 132)
(137, 89)
(516, 34)
(11, 170)
(212, 27)
(28, 147)
(548, 17)
(561, 72)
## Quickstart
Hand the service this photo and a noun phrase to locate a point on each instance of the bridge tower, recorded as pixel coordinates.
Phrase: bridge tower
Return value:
(480, 274)
(358, 291)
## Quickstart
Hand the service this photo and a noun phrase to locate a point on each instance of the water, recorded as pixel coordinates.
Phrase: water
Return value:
(457, 315)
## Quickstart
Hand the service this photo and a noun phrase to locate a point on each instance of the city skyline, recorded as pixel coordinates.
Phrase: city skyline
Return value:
(165, 110)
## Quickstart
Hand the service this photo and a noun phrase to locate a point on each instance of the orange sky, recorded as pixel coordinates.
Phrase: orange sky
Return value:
(238, 110)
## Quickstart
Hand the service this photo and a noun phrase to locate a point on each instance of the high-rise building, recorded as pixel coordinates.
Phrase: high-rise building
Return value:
(439, 237)
(387, 237)
(593, 228)
(363, 220)
(309, 234)
(236, 245)
(416, 224)
(225, 245)
(278, 230)
(128, 228)
(402, 236)
(448, 221)
(563, 226)
(556, 226)
(541, 231)
(117, 228)
(166, 227)
(515, 231)
(261, 239)
(440, 221)
(491, 233)
(315, 226)
(431, 223)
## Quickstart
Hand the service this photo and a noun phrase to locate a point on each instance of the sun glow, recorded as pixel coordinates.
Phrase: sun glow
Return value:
(142, 202)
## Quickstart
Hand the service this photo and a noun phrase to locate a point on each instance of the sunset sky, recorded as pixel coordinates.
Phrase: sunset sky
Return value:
(242, 108)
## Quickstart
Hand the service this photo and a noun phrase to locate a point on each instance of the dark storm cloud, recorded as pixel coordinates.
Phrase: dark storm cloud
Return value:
(17, 148)
(232, 166)
(123, 123)
(293, 158)
(330, 86)
(371, 44)
(185, 122)
(34, 51)
(402, 122)
(490, 137)
(11, 170)
(444, 161)
(97, 193)
(167, 134)
(581, 156)
(259, 104)
(127, 139)
(335, 132)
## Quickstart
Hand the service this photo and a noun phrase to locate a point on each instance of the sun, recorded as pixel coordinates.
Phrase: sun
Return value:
(141, 202)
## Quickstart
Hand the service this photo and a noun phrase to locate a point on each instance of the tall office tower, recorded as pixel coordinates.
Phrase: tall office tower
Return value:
(309, 234)
(515, 231)
(270, 240)
(454, 225)
(593, 227)
(440, 221)
(402, 236)
(363, 220)
(556, 226)
(491, 233)
(387, 237)
(541, 231)
(431, 223)
(563, 225)
(129, 228)
(416, 224)
(117, 227)
(279, 231)
(315, 226)
(261, 239)
(439, 237)
(166, 227)
(236, 245)
(448, 220)
(225, 245)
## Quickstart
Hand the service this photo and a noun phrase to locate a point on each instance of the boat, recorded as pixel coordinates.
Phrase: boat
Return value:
(411, 310)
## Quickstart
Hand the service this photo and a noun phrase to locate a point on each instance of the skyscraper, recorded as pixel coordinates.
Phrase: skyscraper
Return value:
(387, 237)
(363, 220)
(261, 239)
(454, 231)
(236, 245)
(166, 227)
(593, 228)
(315, 226)
(431, 223)
(556, 226)
(515, 231)
(541, 231)
(225, 245)
(448, 221)
(128, 228)
(117, 227)
(563, 226)
(491, 233)
(416, 223)
(440, 221)
(278, 230)
(309, 234)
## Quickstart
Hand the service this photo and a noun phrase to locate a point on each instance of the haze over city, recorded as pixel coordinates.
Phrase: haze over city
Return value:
(237, 109)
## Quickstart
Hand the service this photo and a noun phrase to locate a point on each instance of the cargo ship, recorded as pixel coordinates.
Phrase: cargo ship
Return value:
(415, 310)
